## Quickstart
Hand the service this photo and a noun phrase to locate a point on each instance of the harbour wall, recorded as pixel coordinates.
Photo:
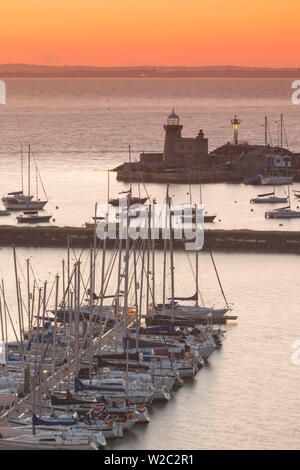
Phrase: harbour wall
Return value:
(220, 240)
(177, 177)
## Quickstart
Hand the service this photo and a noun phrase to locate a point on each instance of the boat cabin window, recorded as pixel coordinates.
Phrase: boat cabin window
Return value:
(48, 439)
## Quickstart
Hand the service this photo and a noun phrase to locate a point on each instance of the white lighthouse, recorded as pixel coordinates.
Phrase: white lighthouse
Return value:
(235, 122)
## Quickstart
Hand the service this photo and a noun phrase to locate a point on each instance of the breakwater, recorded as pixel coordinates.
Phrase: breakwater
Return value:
(224, 240)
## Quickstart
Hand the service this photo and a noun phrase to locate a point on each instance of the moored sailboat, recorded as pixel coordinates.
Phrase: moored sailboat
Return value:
(17, 201)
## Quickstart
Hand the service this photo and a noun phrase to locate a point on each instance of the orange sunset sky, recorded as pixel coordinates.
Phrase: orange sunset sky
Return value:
(156, 32)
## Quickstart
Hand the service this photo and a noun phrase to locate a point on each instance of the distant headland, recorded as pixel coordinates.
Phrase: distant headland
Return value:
(226, 71)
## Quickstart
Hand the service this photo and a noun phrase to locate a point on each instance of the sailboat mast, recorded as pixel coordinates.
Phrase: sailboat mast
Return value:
(218, 277)
(140, 307)
(54, 334)
(281, 131)
(266, 131)
(171, 261)
(165, 251)
(153, 264)
(28, 170)
(28, 294)
(18, 297)
(126, 273)
(36, 185)
(289, 196)
(200, 190)
(107, 186)
(190, 187)
(90, 336)
(22, 175)
(197, 276)
(129, 154)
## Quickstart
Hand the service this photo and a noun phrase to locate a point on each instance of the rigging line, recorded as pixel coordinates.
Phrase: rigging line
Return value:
(81, 270)
(20, 267)
(11, 321)
(194, 275)
(39, 175)
(47, 299)
(285, 136)
(113, 257)
(107, 274)
(89, 277)
(70, 285)
(109, 270)
(110, 266)
(270, 135)
(219, 280)
(145, 188)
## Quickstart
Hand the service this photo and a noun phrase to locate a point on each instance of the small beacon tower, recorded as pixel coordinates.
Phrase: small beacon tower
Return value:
(235, 122)
(173, 131)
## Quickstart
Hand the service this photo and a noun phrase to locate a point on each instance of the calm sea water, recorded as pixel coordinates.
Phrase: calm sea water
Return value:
(78, 129)
(248, 395)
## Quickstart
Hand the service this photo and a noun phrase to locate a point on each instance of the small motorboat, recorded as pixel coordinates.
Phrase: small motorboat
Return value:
(68, 438)
(16, 204)
(209, 218)
(32, 217)
(16, 195)
(128, 201)
(282, 213)
(206, 218)
(253, 180)
(268, 198)
(276, 180)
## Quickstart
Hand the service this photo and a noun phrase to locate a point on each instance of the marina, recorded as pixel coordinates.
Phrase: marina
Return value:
(222, 373)
(97, 372)
(141, 344)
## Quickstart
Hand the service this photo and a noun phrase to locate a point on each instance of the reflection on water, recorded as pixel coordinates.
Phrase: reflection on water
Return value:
(81, 128)
(247, 396)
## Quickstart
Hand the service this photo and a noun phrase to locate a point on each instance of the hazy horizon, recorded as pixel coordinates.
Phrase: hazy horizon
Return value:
(178, 66)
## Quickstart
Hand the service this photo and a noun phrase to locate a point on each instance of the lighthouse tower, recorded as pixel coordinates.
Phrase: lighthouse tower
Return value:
(173, 131)
(235, 122)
